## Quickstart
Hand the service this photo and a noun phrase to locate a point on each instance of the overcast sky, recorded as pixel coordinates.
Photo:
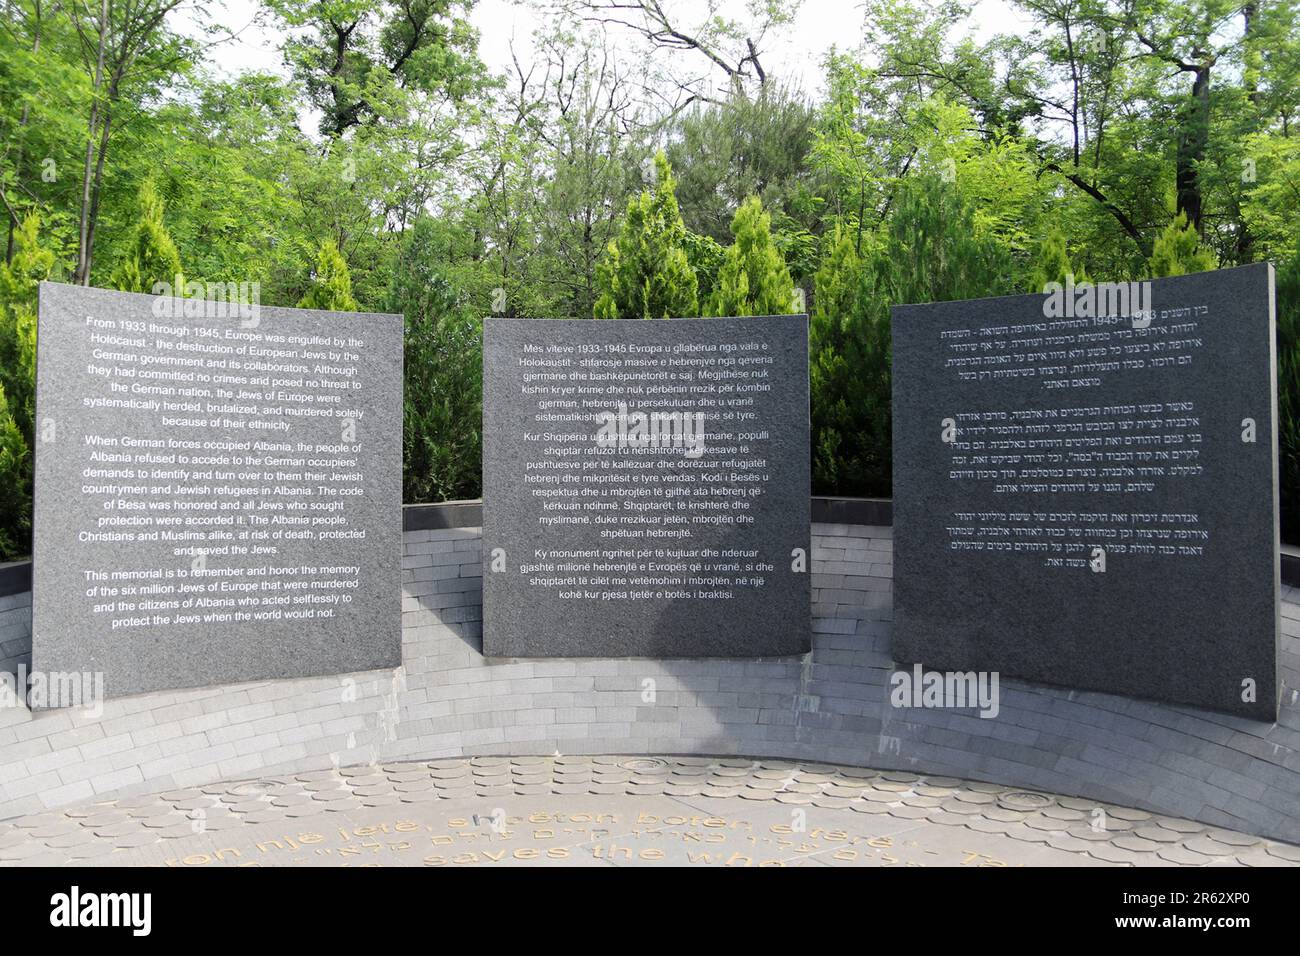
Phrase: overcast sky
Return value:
(795, 54)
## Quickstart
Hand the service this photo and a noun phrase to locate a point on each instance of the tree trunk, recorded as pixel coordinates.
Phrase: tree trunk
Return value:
(85, 227)
(1192, 141)
(1252, 59)
(1245, 247)
(97, 190)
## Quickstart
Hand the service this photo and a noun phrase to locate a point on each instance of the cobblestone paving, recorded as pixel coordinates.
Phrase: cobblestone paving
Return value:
(618, 810)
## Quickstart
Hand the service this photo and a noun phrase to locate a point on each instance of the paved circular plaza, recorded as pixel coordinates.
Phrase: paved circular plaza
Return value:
(618, 811)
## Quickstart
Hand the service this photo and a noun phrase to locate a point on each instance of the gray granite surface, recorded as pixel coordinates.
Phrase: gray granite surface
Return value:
(1079, 438)
(653, 589)
(110, 366)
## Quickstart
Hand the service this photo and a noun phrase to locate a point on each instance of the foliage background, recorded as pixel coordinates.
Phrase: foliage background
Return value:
(641, 159)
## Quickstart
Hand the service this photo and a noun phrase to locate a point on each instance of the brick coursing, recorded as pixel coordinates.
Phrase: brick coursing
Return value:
(832, 705)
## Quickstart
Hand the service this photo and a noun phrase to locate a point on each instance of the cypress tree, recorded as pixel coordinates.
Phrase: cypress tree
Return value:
(1177, 251)
(754, 279)
(331, 286)
(645, 273)
(1052, 263)
(706, 257)
(15, 486)
(151, 256)
(19, 281)
(935, 252)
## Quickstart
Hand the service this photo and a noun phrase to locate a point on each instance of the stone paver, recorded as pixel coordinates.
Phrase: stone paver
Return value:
(618, 811)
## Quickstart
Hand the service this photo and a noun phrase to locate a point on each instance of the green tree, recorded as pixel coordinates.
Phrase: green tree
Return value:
(836, 345)
(43, 93)
(152, 256)
(1052, 263)
(369, 61)
(706, 257)
(331, 284)
(240, 185)
(1178, 251)
(585, 168)
(745, 146)
(753, 279)
(15, 487)
(442, 424)
(645, 273)
(19, 282)
(130, 54)
(933, 250)
(930, 250)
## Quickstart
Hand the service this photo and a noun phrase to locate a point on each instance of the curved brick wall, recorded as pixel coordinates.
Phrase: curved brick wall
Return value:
(833, 705)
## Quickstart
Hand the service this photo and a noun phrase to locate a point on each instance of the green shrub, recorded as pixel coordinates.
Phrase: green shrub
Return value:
(929, 251)
(15, 487)
(20, 281)
(645, 273)
(753, 279)
(151, 257)
(1178, 251)
(442, 420)
(331, 284)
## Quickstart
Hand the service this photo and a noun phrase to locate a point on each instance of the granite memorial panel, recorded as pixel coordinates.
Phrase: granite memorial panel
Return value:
(646, 488)
(218, 490)
(1085, 488)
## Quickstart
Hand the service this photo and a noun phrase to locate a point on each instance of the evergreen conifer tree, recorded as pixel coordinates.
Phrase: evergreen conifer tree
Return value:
(645, 273)
(331, 286)
(1052, 263)
(754, 279)
(19, 281)
(15, 487)
(1177, 251)
(151, 257)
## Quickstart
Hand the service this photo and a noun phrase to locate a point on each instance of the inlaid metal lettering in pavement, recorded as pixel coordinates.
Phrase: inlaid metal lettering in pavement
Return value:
(1028, 824)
